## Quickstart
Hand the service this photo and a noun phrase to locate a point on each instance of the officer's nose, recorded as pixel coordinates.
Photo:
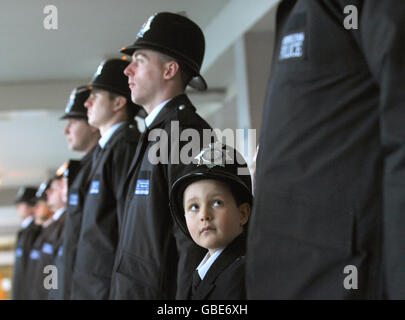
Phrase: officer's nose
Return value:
(128, 70)
(67, 128)
(87, 103)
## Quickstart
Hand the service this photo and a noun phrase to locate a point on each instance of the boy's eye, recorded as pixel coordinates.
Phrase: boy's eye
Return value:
(193, 208)
(218, 203)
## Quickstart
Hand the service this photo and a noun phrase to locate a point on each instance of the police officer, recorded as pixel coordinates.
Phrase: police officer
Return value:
(25, 203)
(82, 137)
(56, 200)
(152, 249)
(43, 217)
(49, 213)
(109, 108)
(328, 221)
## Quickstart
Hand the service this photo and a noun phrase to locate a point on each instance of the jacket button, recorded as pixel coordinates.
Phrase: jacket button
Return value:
(181, 107)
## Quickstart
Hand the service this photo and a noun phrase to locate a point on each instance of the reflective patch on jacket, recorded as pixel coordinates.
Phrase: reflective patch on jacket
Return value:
(34, 254)
(292, 46)
(47, 248)
(18, 252)
(142, 187)
(95, 187)
(73, 199)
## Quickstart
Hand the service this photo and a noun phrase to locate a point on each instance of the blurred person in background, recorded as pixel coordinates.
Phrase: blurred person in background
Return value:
(44, 250)
(25, 203)
(81, 137)
(109, 108)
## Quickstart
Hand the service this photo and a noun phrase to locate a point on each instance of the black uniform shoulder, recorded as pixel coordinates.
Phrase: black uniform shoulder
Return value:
(185, 113)
(127, 133)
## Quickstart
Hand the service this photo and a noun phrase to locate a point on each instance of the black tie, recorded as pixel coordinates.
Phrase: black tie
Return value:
(196, 282)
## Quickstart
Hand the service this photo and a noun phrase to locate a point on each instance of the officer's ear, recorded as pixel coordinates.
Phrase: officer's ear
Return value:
(244, 210)
(119, 103)
(171, 68)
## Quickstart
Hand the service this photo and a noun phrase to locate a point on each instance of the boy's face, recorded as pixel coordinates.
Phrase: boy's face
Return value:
(212, 216)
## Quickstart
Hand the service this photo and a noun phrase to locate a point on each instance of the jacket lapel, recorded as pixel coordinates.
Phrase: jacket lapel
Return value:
(104, 150)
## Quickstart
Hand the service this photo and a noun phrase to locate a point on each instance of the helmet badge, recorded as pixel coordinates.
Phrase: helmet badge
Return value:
(213, 155)
(146, 26)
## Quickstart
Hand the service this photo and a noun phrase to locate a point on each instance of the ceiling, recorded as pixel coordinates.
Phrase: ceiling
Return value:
(39, 67)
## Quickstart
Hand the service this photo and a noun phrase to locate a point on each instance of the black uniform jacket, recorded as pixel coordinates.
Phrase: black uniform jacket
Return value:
(25, 241)
(225, 279)
(99, 232)
(43, 253)
(152, 250)
(330, 202)
(73, 220)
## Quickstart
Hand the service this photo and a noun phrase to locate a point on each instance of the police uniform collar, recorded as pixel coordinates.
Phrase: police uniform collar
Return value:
(152, 116)
(178, 103)
(108, 134)
(26, 222)
(58, 213)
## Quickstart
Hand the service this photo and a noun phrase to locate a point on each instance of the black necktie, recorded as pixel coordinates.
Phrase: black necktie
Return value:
(196, 282)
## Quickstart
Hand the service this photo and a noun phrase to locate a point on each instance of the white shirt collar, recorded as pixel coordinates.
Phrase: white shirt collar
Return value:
(152, 116)
(207, 262)
(26, 222)
(58, 213)
(47, 223)
(107, 136)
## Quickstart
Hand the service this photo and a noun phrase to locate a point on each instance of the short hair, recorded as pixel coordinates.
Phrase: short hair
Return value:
(185, 72)
(113, 95)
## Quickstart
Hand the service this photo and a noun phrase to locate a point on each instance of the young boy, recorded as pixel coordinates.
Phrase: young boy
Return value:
(211, 203)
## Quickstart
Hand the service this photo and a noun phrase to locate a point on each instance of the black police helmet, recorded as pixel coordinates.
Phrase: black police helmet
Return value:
(110, 77)
(75, 107)
(26, 195)
(176, 36)
(216, 162)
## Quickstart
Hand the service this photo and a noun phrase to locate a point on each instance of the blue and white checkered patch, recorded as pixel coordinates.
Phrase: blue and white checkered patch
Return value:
(73, 199)
(35, 254)
(95, 187)
(142, 187)
(292, 46)
(47, 248)
(18, 252)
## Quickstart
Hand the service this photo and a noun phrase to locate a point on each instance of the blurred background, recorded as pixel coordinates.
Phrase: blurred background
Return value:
(40, 67)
